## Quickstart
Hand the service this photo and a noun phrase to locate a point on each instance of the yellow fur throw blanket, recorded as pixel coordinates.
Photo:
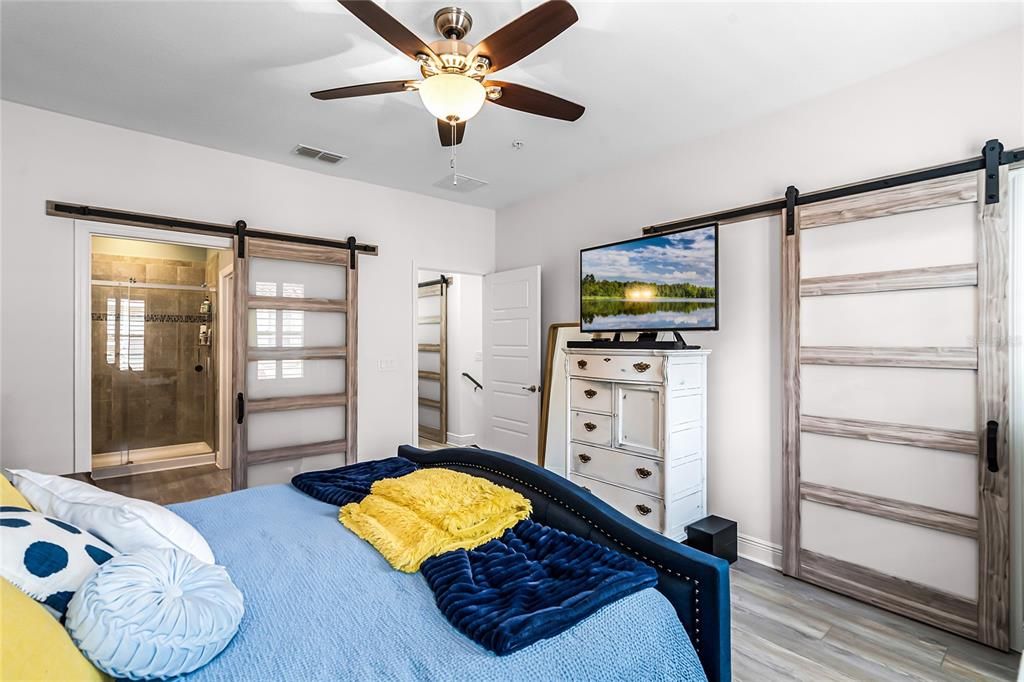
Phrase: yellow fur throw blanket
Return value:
(432, 511)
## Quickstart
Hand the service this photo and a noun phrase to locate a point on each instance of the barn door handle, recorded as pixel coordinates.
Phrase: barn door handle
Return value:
(992, 445)
(589, 426)
(240, 405)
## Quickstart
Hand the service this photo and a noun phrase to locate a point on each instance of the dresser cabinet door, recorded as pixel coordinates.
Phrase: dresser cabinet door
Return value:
(638, 418)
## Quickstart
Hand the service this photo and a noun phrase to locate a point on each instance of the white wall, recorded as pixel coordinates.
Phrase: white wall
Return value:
(928, 113)
(52, 156)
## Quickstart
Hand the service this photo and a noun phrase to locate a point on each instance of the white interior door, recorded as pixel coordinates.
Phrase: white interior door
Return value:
(512, 361)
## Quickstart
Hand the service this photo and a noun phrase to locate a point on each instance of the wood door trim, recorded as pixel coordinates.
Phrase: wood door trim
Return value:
(427, 402)
(307, 253)
(310, 353)
(429, 375)
(328, 447)
(938, 277)
(326, 305)
(933, 438)
(935, 357)
(240, 333)
(791, 419)
(351, 365)
(429, 347)
(905, 597)
(938, 193)
(299, 402)
(993, 400)
(892, 509)
(432, 290)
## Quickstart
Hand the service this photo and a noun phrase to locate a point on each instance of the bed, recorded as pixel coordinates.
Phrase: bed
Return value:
(322, 604)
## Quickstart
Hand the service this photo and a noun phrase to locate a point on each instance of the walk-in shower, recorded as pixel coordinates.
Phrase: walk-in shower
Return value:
(154, 379)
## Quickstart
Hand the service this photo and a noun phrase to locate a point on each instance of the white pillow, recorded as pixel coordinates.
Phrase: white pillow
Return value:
(125, 523)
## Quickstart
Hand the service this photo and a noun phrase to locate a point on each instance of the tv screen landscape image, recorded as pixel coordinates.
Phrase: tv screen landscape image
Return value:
(659, 283)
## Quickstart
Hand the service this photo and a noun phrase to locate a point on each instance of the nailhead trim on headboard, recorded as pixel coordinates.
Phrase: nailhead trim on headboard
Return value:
(696, 583)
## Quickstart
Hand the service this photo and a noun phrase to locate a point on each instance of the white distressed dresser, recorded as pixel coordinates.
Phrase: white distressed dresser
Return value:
(637, 425)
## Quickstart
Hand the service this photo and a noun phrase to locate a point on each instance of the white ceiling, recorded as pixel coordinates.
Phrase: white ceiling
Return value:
(237, 76)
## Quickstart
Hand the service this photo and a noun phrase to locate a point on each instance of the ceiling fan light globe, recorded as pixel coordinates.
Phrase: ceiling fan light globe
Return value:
(452, 97)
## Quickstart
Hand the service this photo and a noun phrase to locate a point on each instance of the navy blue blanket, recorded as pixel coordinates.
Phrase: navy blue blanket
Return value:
(532, 583)
(348, 484)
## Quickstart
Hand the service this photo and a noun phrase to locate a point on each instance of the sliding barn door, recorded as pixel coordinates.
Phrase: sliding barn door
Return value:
(432, 346)
(895, 450)
(295, 361)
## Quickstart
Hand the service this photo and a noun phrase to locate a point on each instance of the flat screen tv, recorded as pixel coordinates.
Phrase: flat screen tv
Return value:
(665, 282)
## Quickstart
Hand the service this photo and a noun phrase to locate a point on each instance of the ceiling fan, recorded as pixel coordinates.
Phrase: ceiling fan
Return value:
(456, 74)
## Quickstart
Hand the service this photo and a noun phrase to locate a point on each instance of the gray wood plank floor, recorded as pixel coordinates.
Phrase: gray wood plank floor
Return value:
(785, 629)
(167, 487)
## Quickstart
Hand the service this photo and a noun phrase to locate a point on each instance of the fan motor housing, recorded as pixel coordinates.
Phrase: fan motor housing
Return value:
(453, 22)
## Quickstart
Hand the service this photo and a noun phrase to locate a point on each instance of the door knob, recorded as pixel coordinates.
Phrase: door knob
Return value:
(531, 388)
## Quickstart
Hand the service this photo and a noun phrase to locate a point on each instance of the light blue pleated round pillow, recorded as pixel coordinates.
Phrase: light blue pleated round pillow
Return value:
(154, 613)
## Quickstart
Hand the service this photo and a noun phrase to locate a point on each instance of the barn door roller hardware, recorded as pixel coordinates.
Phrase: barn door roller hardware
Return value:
(991, 152)
(993, 155)
(792, 195)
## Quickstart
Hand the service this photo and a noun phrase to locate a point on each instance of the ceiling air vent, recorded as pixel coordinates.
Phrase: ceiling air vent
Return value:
(318, 154)
(464, 185)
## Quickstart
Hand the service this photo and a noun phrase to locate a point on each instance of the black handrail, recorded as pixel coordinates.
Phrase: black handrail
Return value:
(476, 384)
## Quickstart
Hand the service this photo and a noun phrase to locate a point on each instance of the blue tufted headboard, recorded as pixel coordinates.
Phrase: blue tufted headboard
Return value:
(697, 584)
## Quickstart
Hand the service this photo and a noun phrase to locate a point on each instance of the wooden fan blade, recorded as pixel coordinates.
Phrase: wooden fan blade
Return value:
(388, 28)
(361, 90)
(444, 131)
(528, 33)
(532, 101)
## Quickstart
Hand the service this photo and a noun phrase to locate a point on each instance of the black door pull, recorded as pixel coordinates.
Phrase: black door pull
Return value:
(992, 445)
(240, 411)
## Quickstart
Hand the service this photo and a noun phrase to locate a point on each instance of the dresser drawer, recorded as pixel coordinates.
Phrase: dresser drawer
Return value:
(684, 376)
(595, 396)
(618, 468)
(618, 367)
(591, 428)
(644, 509)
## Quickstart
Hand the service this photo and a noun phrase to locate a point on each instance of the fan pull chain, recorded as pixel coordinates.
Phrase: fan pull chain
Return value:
(455, 172)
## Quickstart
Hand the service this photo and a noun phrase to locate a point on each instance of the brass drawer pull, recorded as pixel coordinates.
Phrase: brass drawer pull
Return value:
(590, 393)
(584, 457)
(643, 473)
(643, 509)
(582, 364)
(589, 426)
(641, 366)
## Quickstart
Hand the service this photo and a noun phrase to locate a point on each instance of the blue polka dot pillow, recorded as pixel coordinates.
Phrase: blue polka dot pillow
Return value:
(46, 558)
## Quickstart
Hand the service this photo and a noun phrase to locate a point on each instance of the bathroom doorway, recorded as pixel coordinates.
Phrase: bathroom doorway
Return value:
(155, 329)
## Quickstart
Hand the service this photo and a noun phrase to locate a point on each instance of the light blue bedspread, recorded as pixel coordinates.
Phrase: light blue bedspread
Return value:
(321, 604)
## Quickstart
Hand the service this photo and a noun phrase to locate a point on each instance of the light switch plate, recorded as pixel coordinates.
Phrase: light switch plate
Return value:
(387, 365)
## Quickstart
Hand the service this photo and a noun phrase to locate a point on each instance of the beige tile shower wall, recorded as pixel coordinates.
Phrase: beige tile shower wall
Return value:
(166, 402)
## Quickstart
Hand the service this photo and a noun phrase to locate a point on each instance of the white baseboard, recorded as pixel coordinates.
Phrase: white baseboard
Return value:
(461, 440)
(763, 552)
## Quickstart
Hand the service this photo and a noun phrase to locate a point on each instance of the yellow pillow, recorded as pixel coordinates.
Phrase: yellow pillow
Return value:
(34, 645)
(10, 497)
